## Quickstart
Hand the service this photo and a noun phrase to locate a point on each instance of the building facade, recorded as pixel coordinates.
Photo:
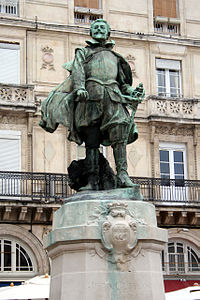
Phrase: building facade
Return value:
(161, 41)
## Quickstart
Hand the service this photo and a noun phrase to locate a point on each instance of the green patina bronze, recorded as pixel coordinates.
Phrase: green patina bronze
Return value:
(92, 103)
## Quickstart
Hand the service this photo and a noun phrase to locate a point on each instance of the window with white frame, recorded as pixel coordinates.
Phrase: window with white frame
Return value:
(10, 150)
(10, 63)
(168, 77)
(173, 171)
(9, 7)
(173, 161)
(180, 257)
(15, 258)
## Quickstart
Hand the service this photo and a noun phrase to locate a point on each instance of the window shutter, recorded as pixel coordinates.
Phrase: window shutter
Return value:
(168, 64)
(87, 3)
(82, 3)
(94, 4)
(165, 8)
(10, 63)
(10, 156)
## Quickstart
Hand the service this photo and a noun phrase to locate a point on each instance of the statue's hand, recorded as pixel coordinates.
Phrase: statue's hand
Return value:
(82, 95)
(130, 91)
(139, 91)
(136, 93)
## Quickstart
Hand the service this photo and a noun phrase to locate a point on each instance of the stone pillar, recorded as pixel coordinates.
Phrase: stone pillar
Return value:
(106, 246)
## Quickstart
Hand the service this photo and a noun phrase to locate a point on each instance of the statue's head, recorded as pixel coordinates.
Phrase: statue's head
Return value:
(100, 30)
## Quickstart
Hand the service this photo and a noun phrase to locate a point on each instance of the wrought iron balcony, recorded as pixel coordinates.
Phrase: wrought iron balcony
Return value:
(9, 7)
(17, 96)
(166, 25)
(83, 15)
(23, 186)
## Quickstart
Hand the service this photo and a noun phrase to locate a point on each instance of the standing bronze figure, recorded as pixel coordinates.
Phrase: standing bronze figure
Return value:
(92, 103)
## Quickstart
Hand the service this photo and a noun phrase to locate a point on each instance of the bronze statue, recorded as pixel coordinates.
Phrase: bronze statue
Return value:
(92, 103)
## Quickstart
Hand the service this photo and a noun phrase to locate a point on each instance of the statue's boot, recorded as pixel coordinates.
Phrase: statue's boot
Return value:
(123, 179)
(92, 165)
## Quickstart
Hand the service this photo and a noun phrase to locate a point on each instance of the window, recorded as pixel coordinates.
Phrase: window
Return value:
(9, 7)
(10, 160)
(173, 171)
(165, 17)
(168, 78)
(10, 63)
(180, 258)
(87, 11)
(14, 257)
(10, 150)
(88, 3)
(165, 8)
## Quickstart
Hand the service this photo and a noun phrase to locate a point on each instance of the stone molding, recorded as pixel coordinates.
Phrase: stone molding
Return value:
(17, 96)
(188, 235)
(15, 231)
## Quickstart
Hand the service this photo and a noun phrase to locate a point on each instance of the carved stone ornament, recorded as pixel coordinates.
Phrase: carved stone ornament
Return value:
(119, 232)
(47, 58)
(131, 61)
(174, 130)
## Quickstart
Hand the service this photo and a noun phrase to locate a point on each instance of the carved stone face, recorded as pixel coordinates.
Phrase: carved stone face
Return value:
(99, 31)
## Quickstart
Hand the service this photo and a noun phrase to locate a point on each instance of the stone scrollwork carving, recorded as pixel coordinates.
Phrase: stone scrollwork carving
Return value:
(47, 58)
(119, 233)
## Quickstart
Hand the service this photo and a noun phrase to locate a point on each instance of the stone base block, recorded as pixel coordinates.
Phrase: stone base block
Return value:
(106, 249)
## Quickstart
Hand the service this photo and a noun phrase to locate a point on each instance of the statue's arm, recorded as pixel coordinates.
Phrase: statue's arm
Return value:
(78, 74)
(127, 89)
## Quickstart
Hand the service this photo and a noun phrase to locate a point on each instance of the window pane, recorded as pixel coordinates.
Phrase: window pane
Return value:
(164, 168)
(7, 255)
(161, 81)
(178, 156)
(174, 83)
(165, 180)
(171, 248)
(172, 263)
(164, 155)
(181, 265)
(178, 169)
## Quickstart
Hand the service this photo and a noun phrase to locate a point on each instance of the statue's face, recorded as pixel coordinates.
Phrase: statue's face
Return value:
(99, 31)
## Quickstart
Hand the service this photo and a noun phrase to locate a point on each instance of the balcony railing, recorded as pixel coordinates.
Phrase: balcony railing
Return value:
(169, 191)
(33, 186)
(9, 7)
(166, 25)
(173, 107)
(83, 15)
(25, 186)
(12, 95)
(81, 18)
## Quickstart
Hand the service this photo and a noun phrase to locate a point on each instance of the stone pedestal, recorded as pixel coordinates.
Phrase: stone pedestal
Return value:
(106, 246)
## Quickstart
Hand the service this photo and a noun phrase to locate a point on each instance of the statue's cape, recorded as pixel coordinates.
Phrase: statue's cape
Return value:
(59, 106)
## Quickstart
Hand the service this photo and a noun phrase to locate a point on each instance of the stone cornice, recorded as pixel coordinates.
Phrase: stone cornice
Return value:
(76, 29)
